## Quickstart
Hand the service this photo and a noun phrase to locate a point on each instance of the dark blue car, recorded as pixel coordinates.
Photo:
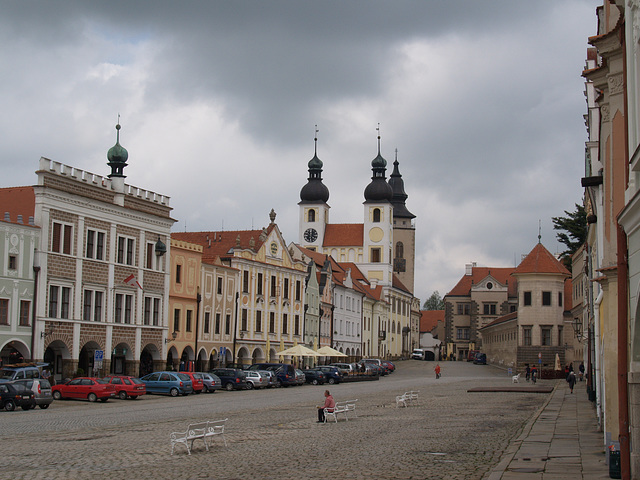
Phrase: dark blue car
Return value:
(332, 374)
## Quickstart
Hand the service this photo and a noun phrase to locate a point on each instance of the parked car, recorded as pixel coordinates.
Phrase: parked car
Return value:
(418, 354)
(374, 361)
(171, 383)
(314, 377)
(126, 386)
(14, 395)
(231, 378)
(255, 379)
(332, 374)
(372, 368)
(9, 373)
(89, 388)
(481, 359)
(210, 382)
(41, 389)
(300, 377)
(272, 378)
(285, 372)
(389, 365)
(345, 368)
(472, 355)
(196, 382)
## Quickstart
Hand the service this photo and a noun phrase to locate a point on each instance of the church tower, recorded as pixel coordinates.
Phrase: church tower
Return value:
(378, 226)
(314, 210)
(404, 231)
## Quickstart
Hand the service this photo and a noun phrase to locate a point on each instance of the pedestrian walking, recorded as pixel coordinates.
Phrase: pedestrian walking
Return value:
(534, 374)
(581, 370)
(528, 372)
(437, 370)
(571, 379)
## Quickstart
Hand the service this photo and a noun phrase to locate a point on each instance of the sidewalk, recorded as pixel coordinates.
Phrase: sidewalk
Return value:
(560, 441)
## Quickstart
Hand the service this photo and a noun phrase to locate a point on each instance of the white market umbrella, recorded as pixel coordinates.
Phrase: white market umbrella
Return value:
(299, 351)
(327, 351)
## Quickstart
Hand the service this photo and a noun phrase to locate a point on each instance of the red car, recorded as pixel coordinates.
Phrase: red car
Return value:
(196, 381)
(126, 386)
(90, 388)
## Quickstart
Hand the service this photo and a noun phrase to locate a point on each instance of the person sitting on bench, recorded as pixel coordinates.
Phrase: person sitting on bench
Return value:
(329, 404)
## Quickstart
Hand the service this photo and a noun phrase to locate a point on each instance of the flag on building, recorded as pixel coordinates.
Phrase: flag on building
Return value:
(131, 280)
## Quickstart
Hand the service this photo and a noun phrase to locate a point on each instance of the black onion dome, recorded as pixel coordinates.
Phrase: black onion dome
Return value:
(378, 190)
(315, 191)
(399, 195)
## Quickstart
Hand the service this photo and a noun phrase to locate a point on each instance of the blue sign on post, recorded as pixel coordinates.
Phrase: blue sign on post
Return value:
(98, 355)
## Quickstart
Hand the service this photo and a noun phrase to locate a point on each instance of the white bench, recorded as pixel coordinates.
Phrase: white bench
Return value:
(350, 406)
(196, 431)
(407, 398)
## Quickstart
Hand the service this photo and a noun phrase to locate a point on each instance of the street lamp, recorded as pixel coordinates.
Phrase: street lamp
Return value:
(577, 328)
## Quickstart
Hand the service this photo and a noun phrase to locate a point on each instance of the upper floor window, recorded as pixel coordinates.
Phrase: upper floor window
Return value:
(545, 336)
(399, 250)
(298, 289)
(59, 301)
(178, 273)
(207, 321)
(375, 255)
(527, 299)
(245, 281)
(559, 299)
(25, 309)
(259, 284)
(123, 312)
(296, 326)
(526, 336)
(219, 286)
(152, 261)
(243, 324)
(126, 250)
(151, 311)
(189, 316)
(259, 321)
(13, 262)
(285, 294)
(4, 311)
(272, 322)
(273, 286)
(227, 325)
(376, 215)
(92, 306)
(95, 244)
(61, 238)
(489, 308)
(285, 323)
(312, 216)
(176, 319)
(546, 299)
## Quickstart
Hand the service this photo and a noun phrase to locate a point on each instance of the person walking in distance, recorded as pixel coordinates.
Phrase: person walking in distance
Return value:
(437, 370)
(329, 404)
(571, 379)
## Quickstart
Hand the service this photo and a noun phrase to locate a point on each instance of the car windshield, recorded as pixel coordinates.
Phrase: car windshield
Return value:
(6, 374)
(136, 381)
(101, 380)
(184, 377)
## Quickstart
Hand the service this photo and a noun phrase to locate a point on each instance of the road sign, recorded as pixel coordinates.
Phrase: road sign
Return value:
(98, 355)
(539, 354)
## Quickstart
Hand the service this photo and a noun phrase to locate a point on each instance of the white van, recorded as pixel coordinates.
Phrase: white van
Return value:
(418, 354)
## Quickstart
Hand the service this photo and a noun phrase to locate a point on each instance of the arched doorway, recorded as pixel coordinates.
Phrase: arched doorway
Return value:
(14, 352)
(243, 356)
(257, 356)
(186, 360)
(58, 356)
(202, 365)
(85, 360)
(120, 357)
(172, 362)
(213, 359)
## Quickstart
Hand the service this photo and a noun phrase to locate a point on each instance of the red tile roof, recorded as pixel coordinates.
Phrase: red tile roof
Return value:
(218, 244)
(502, 319)
(502, 275)
(540, 260)
(429, 319)
(343, 235)
(17, 201)
(398, 284)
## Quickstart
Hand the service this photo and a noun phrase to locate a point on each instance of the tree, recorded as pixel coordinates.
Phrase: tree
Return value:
(573, 231)
(434, 302)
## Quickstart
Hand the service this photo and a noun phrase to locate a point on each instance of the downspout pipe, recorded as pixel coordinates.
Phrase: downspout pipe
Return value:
(623, 400)
(598, 353)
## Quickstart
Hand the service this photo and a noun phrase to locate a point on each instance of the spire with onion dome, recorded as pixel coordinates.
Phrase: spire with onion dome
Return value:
(378, 190)
(315, 191)
(399, 195)
(117, 156)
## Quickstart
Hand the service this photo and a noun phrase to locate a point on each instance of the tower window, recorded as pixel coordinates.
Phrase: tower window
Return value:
(376, 215)
(312, 216)
(375, 255)
(399, 250)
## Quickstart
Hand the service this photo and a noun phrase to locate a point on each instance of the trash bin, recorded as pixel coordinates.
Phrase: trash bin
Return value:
(614, 464)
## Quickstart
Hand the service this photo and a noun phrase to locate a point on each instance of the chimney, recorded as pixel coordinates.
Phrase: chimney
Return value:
(19, 218)
(31, 221)
(468, 268)
(7, 217)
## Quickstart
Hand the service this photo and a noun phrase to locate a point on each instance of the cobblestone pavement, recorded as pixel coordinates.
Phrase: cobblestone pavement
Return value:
(450, 434)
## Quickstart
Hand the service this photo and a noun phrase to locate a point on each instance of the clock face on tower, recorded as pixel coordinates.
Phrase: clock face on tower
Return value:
(310, 235)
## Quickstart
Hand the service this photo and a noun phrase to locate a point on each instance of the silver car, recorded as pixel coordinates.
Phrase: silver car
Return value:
(272, 378)
(210, 382)
(41, 389)
(255, 379)
(300, 377)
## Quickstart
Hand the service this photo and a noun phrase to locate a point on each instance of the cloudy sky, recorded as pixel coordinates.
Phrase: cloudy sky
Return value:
(218, 101)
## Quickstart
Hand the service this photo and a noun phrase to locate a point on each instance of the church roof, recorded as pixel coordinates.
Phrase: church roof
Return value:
(540, 260)
(343, 235)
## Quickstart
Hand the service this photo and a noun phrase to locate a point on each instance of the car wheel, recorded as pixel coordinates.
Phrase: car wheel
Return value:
(229, 386)
(314, 381)
(44, 406)
(9, 406)
(92, 397)
(331, 381)
(198, 391)
(205, 389)
(57, 395)
(122, 395)
(174, 392)
(249, 386)
(26, 408)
